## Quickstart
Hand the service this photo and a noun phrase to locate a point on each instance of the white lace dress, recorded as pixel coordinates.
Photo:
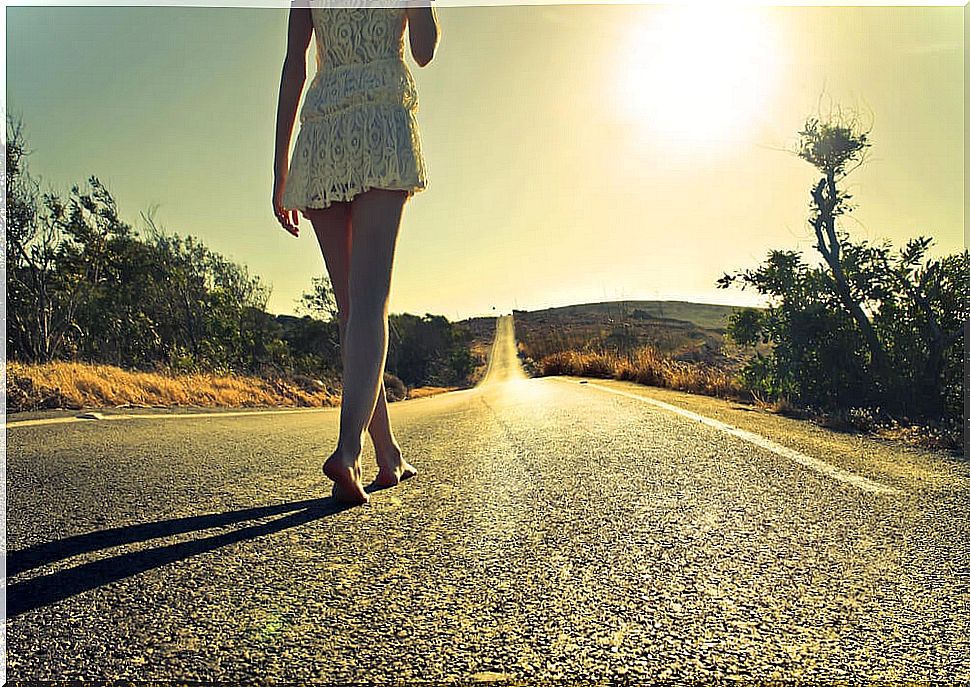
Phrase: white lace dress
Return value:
(358, 126)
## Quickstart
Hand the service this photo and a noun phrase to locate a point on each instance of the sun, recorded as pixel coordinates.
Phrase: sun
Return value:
(697, 76)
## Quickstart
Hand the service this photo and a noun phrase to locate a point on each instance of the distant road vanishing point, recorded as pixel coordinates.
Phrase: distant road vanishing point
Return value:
(558, 528)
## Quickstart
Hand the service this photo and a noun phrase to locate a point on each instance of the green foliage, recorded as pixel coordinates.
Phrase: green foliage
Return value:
(831, 145)
(816, 357)
(82, 284)
(315, 344)
(869, 327)
(428, 350)
(819, 356)
(320, 301)
(41, 300)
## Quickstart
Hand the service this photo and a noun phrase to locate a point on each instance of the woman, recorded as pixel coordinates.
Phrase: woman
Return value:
(356, 161)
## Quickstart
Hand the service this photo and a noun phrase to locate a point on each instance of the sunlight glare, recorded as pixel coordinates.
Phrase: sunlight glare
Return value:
(697, 74)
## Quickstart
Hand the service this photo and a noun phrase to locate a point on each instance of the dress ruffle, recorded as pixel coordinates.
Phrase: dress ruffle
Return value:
(358, 124)
(381, 81)
(368, 145)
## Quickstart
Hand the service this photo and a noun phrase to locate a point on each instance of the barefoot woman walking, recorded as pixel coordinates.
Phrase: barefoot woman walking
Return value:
(356, 161)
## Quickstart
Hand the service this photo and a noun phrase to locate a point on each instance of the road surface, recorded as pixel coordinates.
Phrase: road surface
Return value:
(558, 527)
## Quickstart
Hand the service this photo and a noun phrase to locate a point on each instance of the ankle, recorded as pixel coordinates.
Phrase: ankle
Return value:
(346, 455)
(385, 446)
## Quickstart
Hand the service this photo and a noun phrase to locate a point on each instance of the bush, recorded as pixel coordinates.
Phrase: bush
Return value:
(870, 327)
(394, 388)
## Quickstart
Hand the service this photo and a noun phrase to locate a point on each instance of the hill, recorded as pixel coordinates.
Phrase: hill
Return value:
(684, 330)
(705, 315)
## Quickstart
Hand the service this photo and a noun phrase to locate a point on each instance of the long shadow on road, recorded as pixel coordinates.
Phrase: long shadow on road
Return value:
(47, 589)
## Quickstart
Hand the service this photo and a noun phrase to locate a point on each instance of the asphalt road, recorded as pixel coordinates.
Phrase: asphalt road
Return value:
(555, 529)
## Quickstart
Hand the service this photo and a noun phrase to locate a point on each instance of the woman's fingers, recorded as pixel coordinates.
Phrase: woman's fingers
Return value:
(283, 217)
(286, 217)
(289, 226)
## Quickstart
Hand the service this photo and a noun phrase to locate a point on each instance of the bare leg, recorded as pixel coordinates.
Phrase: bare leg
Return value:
(333, 230)
(375, 221)
(390, 460)
(392, 466)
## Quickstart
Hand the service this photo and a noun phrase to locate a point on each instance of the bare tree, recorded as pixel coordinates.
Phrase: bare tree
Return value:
(40, 308)
(831, 146)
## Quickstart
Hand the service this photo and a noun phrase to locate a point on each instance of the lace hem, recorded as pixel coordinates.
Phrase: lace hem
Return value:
(366, 146)
(351, 191)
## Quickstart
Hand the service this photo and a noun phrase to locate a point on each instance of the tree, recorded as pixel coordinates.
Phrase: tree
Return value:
(427, 350)
(830, 147)
(923, 319)
(42, 299)
(906, 312)
(319, 301)
(97, 245)
(83, 284)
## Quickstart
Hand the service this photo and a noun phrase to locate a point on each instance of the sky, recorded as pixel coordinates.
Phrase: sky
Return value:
(575, 153)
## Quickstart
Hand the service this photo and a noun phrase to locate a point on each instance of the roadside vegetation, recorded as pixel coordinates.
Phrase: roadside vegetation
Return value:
(870, 338)
(100, 315)
(864, 338)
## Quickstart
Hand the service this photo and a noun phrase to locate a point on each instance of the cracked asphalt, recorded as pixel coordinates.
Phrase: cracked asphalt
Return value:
(555, 530)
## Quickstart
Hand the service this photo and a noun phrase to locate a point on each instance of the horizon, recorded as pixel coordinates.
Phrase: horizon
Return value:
(619, 195)
(552, 307)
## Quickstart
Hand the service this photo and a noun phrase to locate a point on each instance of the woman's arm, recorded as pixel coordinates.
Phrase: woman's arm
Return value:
(423, 32)
(291, 83)
(291, 86)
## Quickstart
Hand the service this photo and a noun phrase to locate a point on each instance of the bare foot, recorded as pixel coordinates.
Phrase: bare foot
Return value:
(392, 468)
(346, 475)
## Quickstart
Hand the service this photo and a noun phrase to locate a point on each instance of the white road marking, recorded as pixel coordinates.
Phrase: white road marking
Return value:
(808, 461)
(88, 416)
(821, 466)
(133, 416)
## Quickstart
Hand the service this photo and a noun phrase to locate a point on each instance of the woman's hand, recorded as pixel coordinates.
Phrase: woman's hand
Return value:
(288, 219)
(292, 79)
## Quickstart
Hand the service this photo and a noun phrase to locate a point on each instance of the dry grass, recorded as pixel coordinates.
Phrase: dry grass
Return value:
(422, 391)
(83, 385)
(647, 366)
(652, 368)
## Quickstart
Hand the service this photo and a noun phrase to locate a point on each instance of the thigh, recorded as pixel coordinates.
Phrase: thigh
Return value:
(332, 227)
(375, 222)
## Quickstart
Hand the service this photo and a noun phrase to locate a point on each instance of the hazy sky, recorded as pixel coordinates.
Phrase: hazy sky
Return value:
(575, 153)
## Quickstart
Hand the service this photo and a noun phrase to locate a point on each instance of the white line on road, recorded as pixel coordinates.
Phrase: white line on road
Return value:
(808, 461)
(89, 416)
(133, 416)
